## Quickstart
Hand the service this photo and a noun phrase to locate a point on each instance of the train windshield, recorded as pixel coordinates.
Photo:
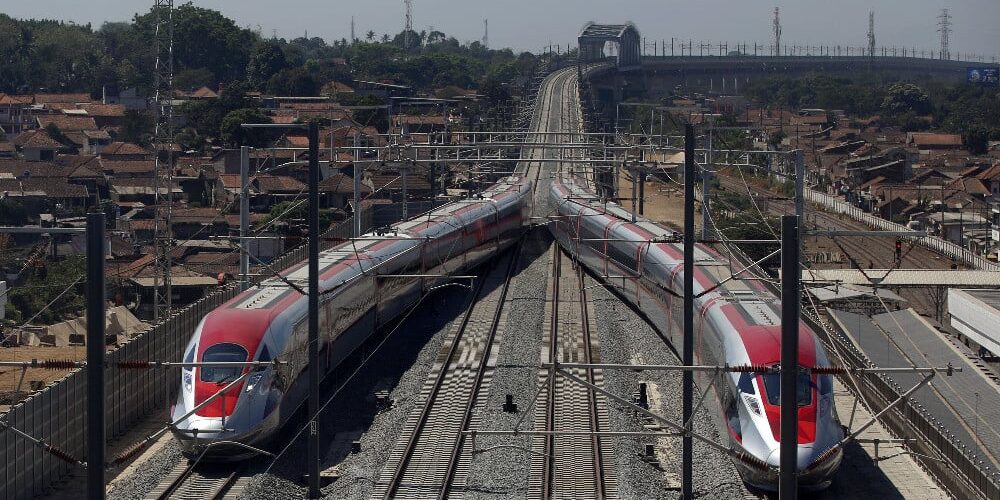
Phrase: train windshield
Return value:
(222, 353)
(772, 385)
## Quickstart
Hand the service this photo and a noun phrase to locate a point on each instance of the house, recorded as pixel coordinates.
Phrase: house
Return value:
(274, 189)
(335, 87)
(73, 128)
(925, 141)
(337, 191)
(410, 124)
(105, 115)
(125, 151)
(895, 208)
(37, 145)
(53, 101)
(139, 190)
(991, 180)
(953, 226)
(120, 169)
(16, 114)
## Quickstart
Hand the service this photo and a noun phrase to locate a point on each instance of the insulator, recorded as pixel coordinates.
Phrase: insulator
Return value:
(752, 461)
(57, 364)
(822, 458)
(130, 452)
(749, 369)
(61, 454)
(828, 370)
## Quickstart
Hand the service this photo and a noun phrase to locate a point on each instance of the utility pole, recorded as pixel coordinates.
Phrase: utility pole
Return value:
(790, 274)
(244, 217)
(944, 27)
(777, 32)
(687, 357)
(96, 346)
(163, 83)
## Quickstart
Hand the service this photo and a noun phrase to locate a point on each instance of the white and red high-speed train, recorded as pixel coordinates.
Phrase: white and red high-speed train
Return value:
(738, 323)
(270, 321)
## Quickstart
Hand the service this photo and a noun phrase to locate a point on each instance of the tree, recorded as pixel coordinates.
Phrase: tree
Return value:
(293, 82)
(904, 97)
(137, 127)
(234, 135)
(266, 60)
(190, 140)
(370, 36)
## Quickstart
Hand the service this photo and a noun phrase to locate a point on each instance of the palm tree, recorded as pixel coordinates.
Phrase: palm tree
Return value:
(385, 38)
(370, 36)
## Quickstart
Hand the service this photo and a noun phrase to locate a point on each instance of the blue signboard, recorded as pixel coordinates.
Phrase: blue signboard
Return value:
(983, 76)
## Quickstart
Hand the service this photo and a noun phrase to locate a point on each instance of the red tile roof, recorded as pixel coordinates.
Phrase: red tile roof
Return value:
(24, 168)
(68, 123)
(204, 93)
(342, 184)
(123, 148)
(36, 139)
(128, 166)
(272, 183)
(990, 174)
(61, 98)
(929, 139)
(8, 99)
(104, 110)
(336, 87)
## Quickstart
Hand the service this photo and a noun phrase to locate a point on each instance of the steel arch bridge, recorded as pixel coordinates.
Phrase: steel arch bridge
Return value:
(593, 37)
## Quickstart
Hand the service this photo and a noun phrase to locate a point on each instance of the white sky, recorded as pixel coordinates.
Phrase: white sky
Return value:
(532, 24)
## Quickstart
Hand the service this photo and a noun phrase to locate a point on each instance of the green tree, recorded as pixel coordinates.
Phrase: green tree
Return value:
(51, 283)
(903, 97)
(294, 82)
(266, 60)
(234, 135)
(137, 127)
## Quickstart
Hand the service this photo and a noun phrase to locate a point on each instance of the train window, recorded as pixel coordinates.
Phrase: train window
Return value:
(825, 384)
(189, 357)
(265, 355)
(222, 353)
(772, 386)
(746, 383)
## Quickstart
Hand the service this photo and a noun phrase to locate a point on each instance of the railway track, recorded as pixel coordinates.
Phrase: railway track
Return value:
(432, 458)
(189, 482)
(569, 461)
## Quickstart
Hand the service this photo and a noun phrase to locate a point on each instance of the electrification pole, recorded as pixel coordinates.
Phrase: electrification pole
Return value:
(95, 357)
(687, 378)
(312, 455)
(790, 274)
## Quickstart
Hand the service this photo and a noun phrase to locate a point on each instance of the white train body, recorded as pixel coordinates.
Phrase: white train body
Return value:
(269, 321)
(737, 323)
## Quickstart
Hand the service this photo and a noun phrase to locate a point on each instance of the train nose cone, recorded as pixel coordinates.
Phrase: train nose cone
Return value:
(805, 457)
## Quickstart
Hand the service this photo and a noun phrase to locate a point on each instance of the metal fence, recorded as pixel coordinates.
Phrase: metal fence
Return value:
(58, 413)
(948, 248)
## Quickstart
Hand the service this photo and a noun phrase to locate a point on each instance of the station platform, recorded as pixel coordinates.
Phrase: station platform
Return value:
(967, 403)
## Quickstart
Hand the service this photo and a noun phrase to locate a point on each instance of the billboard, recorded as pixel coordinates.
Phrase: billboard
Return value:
(983, 76)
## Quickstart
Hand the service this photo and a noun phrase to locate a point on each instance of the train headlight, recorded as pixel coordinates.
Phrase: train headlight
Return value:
(752, 404)
(253, 380)
(188, 378)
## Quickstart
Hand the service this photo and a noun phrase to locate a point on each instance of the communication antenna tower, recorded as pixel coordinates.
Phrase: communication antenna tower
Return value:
(486, 33)
(409, 24)
(777, 32)
(871, 33)
(353, 39)
(163, 84)
(944, 27)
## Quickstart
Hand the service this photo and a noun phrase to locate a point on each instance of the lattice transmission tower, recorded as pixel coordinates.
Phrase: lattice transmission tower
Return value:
(486, 33)
(777, 32)
(944, 27)
(871, 33)
(163, 94)
(408, 28)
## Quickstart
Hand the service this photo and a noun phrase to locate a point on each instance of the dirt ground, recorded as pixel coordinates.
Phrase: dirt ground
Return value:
(9, 376)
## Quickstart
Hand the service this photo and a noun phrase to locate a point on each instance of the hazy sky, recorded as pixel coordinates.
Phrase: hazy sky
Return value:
(531, 24)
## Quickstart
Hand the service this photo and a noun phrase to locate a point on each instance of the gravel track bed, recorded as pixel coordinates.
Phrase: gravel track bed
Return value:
(625, 335)
(148, 474)
(503, 472)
